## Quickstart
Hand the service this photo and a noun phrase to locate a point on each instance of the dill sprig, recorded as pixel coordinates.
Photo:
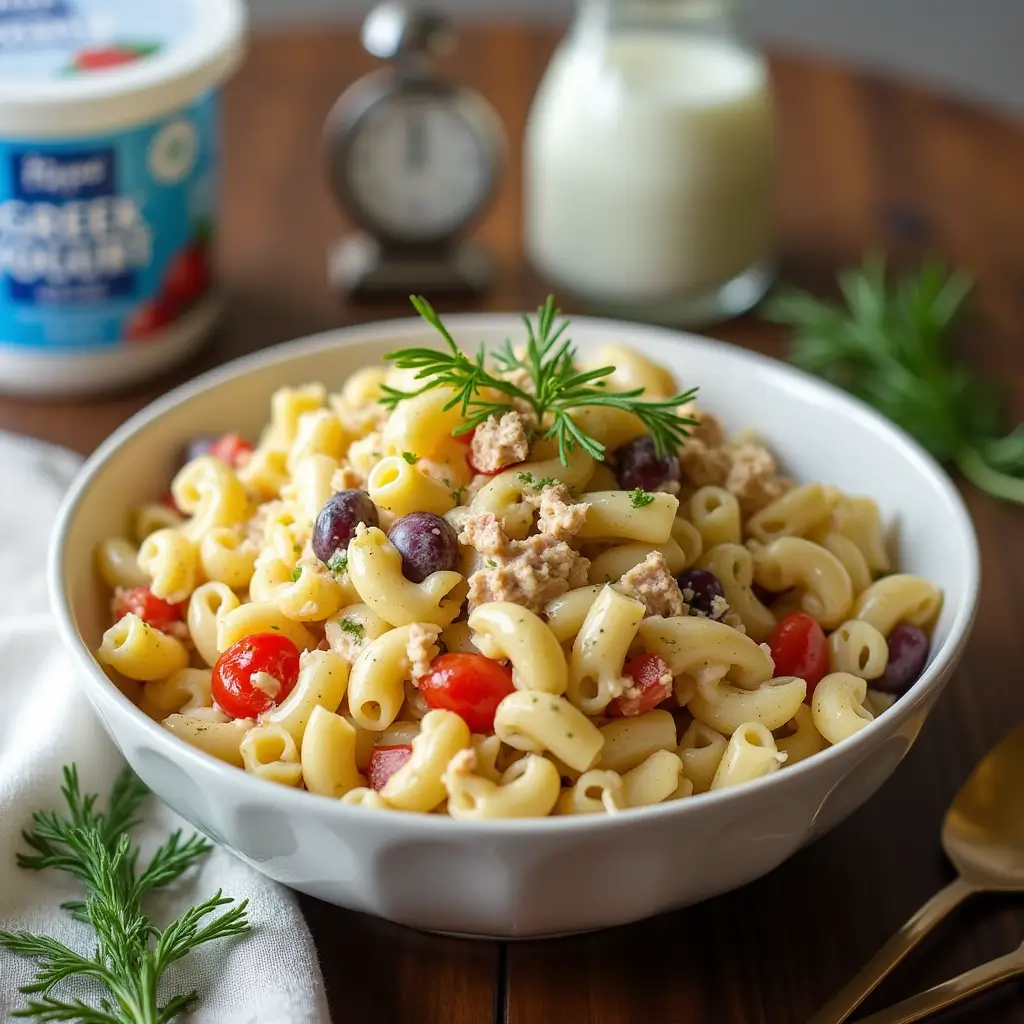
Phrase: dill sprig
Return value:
(556, 386)
(131, 954)
(889, 346)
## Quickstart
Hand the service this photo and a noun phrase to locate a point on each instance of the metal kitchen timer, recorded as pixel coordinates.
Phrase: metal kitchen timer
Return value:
(413, 159)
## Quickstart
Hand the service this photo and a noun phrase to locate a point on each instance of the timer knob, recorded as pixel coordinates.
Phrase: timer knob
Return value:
(392, 32)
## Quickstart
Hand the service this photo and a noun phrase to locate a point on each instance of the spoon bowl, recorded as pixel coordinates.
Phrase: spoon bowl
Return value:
(983, 834)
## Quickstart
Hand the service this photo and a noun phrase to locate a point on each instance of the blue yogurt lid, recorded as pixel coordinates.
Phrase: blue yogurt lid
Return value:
(85, 66)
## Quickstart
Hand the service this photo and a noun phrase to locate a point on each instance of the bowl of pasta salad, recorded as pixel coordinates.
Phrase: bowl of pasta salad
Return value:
(508, 626)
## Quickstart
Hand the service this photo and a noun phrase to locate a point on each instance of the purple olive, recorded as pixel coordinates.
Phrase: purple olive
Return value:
(197, 446)
(336, 522)
(705, 586)
(427, 543)
(639, 465)
(908, 652)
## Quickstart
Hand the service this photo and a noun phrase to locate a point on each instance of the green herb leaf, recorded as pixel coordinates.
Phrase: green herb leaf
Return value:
(638, 497)
(410, 457)
(338, 562)
(529, 480)
(556, 386)
(131, 954)
(353, 628)
(296, 573)
(889, 346)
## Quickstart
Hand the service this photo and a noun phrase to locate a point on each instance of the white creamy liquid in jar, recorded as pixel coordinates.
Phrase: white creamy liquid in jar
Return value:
(650, 167)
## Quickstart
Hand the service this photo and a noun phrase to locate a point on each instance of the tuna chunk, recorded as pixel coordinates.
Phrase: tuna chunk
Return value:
(653, 584)
(498, 443)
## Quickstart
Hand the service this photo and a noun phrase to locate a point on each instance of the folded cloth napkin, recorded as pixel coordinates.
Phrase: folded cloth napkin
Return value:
(269, 976)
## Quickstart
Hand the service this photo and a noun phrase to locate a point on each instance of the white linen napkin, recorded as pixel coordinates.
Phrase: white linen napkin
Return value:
(269, 976)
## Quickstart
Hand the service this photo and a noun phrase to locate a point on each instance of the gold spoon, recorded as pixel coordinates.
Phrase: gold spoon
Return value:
(983, 835)
(963, 986)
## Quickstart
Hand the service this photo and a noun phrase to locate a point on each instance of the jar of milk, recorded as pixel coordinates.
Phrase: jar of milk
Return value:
(649, 163)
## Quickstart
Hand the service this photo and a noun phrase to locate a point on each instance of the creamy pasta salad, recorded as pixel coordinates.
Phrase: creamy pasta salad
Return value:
(509, 585)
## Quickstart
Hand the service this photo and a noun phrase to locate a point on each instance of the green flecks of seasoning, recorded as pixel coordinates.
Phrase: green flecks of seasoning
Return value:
(491, 563)
(411, 457)
(350, 626)
(338, 562)
(276, 629)
(296, 573)
(638, 497)
(529, 480)
(297, 548)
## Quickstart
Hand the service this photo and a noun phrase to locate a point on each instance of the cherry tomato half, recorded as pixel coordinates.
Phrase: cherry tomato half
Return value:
(141, 601)
(233, 685)
(652, 682)
(470, 685)
(466, 438)
(799, 648)
(232, 449)
(384, 762)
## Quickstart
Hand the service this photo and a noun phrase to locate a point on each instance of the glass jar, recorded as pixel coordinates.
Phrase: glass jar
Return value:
(649, 163)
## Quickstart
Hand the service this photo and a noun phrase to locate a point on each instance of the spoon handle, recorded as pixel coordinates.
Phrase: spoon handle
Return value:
(963, 986)
(871, 975)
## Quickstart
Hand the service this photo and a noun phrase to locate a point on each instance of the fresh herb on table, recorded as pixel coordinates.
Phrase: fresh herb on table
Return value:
(131, 954)
(889, 346)
(556, 386)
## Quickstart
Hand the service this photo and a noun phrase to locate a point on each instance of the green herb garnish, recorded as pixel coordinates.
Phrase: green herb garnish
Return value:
(296, 573)
(556, 386)
(353, 628)
(131, 954)
(338, 563)
(889, 346)
(410, 457)
(638, 497)
(529, 480)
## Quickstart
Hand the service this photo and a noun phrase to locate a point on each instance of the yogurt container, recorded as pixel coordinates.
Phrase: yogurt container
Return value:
(108, 186)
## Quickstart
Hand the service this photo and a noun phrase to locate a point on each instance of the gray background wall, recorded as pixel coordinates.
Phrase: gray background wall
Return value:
(971, 47)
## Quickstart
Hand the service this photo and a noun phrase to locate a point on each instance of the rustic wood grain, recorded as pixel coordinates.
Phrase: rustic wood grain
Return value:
(867, 163)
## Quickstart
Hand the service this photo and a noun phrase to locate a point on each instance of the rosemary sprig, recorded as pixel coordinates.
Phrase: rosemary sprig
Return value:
(556, 386)
(889, 346)
(131, 954)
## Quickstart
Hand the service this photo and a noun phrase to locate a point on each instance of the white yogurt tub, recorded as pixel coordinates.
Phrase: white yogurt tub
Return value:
(108, 186)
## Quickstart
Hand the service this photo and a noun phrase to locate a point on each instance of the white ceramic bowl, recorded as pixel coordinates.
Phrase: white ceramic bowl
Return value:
(524, 877)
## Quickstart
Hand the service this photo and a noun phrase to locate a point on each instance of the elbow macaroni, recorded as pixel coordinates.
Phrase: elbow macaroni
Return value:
(601, 683)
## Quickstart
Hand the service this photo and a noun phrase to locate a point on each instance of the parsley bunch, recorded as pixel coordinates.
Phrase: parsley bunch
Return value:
(889, 346)
(556, 386)
(131, 954)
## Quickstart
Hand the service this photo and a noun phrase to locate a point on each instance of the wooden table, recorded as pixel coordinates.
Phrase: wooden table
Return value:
(867, 163)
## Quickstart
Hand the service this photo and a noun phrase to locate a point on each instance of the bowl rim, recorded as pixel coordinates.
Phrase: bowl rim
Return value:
(100, 688)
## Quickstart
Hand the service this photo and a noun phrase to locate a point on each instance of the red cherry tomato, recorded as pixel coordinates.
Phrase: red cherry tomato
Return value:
(800, 648)
(466, 438)
(233, 686)
(232, 449)
(168, 501)
(99, 57)
(652, 682)
(143, 602)
(384, 762)
(470, 685)
(188, 276)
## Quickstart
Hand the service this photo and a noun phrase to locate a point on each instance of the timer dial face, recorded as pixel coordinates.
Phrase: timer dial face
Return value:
(417, 167)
